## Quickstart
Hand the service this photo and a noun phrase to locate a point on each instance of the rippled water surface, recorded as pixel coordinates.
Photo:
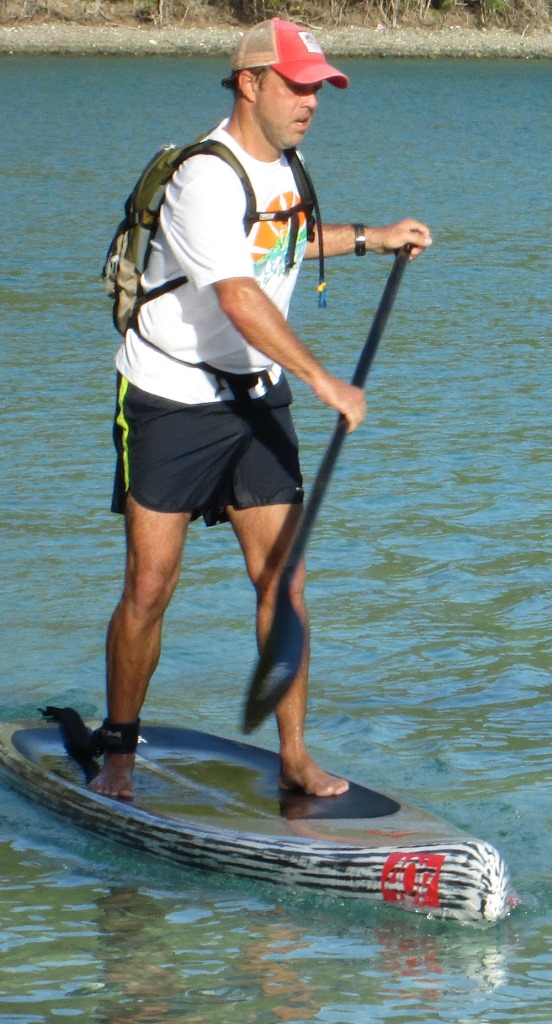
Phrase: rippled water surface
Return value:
(430, 564)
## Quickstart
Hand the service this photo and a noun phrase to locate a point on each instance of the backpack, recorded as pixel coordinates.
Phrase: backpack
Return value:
(129, 249)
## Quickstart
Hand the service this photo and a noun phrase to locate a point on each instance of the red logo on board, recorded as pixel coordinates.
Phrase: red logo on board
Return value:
(412, 876)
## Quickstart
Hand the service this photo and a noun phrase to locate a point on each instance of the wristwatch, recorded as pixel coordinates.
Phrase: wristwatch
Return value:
(360, 239)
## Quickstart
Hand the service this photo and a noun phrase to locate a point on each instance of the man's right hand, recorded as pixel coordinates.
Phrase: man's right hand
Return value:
(345, 398)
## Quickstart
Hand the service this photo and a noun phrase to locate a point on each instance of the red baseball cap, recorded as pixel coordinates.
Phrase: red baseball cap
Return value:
(288, 48)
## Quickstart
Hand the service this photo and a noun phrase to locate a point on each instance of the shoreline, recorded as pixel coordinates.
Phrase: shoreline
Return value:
(217, 41)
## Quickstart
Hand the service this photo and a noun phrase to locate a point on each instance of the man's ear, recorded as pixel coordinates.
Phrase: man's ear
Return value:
(247, 84)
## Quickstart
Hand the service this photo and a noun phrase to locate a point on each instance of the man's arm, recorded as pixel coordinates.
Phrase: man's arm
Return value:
(339, 239)
(256, 317)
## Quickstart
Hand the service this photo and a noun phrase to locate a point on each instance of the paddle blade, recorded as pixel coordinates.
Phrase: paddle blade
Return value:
(279, 662)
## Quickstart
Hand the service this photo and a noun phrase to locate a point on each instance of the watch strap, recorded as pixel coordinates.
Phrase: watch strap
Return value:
(360, 239)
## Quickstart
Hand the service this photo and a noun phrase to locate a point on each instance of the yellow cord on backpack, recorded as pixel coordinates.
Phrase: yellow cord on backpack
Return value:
(321, 288)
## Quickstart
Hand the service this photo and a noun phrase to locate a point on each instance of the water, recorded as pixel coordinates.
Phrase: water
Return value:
(430, 564)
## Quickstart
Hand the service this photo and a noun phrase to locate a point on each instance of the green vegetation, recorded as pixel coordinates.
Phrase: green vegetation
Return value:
(521, 15)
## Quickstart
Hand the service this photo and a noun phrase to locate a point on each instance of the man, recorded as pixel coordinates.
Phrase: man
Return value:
(203, 424)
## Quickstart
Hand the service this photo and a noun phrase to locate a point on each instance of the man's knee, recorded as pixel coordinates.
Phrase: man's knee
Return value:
(149, 590)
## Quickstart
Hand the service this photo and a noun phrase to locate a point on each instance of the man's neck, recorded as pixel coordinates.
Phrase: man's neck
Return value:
(252, 141)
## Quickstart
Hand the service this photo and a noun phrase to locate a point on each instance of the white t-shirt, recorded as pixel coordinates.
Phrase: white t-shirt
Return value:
(201, 235)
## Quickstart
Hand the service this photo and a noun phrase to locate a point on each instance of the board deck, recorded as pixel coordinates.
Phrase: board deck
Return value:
(214, 803)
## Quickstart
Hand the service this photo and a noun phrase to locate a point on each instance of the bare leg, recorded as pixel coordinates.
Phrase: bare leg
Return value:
(265, 535)
(155, 541)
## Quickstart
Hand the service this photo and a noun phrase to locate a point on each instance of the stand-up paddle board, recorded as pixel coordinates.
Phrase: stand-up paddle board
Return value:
(206, 802)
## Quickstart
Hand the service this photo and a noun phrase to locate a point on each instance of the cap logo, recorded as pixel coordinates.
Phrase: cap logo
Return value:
(310, 43)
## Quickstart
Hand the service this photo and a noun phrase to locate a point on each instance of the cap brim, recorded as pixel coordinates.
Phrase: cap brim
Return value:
(310, 72)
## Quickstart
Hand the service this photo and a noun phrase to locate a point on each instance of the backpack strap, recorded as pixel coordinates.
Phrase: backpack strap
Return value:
(198, 148)
(307, 192)
(225, 153)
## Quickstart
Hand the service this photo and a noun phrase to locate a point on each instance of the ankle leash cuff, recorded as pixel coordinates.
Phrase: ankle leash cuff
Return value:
(116, 737)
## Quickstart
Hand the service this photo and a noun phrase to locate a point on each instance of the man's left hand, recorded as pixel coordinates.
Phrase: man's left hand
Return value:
(393, 237)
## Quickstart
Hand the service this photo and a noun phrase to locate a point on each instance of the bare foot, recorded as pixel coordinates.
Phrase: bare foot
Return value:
(115, 778)
(309, 778)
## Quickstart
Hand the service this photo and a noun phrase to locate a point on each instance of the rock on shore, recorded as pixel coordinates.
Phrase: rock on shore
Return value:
(450, 41)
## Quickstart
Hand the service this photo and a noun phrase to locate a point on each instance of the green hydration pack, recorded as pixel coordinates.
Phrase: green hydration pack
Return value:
(129, 250)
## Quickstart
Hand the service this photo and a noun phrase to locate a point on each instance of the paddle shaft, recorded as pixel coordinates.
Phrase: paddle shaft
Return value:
(329, 460)
(282, 653)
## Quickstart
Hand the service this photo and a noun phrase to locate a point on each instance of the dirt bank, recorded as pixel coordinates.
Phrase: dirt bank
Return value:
(449, 41)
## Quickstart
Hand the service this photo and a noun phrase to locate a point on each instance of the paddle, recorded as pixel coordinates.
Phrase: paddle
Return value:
(281, 656)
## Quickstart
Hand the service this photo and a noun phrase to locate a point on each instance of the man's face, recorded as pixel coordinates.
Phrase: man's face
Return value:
(284, 110)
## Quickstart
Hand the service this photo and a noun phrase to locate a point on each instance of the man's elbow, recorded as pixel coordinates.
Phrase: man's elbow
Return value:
(236, 296)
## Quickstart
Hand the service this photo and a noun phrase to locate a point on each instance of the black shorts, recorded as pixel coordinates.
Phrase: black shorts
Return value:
(202, 458)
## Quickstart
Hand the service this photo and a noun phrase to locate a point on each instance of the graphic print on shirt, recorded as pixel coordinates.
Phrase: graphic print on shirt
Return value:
(269, 240)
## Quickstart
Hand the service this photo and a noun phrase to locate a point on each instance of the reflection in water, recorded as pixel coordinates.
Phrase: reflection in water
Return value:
(269, 968)
(140, 975)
